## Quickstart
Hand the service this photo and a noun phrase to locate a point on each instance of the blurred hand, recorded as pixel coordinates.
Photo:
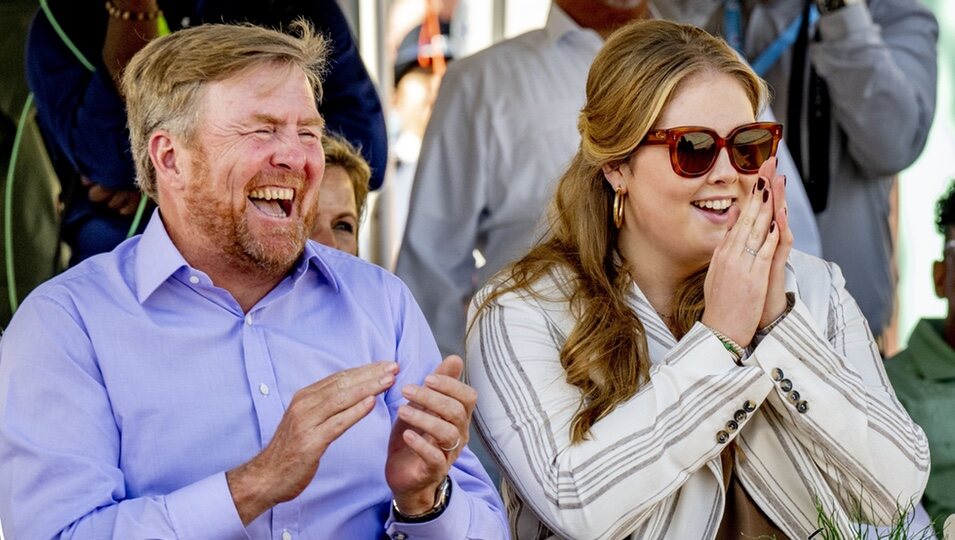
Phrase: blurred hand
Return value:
(430, 433)
(123, 202)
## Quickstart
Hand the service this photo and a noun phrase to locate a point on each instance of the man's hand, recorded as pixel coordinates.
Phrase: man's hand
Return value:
(123, 201)
(317, 415)
(429, 435)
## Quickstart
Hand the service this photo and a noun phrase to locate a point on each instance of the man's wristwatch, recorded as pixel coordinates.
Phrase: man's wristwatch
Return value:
(441, 497)
(828, 6)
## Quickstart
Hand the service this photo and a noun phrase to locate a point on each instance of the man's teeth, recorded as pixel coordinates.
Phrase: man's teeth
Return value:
(721, 204)
(273, 193)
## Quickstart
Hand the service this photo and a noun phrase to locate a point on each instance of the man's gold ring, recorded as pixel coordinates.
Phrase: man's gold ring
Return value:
(454, 446)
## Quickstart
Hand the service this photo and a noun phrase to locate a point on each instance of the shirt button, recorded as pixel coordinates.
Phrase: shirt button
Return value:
(749, 406)
(777, 374)
(248, 320)
(739, 415)
(794, 397)
(802, 406)
(786, 385)
(722, 437)
(264, 390)
(286, 535)
(194, 280)
(732, 426)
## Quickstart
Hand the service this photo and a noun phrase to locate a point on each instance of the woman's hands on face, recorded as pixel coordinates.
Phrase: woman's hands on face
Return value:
(745, 285)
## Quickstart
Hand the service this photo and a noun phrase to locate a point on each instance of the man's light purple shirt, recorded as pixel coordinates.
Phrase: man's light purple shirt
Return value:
(130, 384)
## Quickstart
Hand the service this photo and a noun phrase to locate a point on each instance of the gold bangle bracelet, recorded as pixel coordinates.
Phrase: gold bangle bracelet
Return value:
(126, 15)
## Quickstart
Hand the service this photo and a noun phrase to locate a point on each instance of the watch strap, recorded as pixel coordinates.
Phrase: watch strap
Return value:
(441, 497)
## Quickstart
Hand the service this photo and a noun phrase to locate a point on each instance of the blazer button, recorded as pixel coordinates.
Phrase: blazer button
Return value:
(777, 374)
(749, 406)
(732, 426)
(794, 396)
(739, 415)
(785, 385)
(802, 406)
(722, 437)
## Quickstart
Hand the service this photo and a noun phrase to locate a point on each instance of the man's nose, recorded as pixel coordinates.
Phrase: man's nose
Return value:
(289, 154)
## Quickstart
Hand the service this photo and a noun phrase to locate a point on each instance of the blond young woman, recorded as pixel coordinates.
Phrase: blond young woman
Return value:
(662, 364)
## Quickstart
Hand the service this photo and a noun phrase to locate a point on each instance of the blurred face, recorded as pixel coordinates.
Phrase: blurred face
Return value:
(253, 173)
(336, 225)
(676, 221)
(944, 273)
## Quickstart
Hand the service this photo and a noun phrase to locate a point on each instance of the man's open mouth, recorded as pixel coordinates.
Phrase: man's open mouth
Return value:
(273, 201)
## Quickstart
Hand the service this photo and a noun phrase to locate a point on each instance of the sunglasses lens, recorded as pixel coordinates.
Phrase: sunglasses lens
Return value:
(695, 152)
(750, 148)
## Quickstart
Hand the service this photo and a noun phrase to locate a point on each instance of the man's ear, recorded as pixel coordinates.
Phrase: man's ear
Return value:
(616, 175)
(939, 273)
(165, 155)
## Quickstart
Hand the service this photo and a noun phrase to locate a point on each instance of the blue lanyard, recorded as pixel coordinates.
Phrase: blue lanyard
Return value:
(733, 32)
(733, 24)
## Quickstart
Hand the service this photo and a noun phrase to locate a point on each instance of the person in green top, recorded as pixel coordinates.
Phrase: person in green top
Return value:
(924, 375)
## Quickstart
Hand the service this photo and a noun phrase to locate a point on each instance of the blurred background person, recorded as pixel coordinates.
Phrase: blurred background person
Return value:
(73, 75)
(420, 63)
(924, 374)
(342, 196)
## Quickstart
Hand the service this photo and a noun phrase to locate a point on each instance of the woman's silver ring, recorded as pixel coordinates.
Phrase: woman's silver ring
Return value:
(453, 447)
(750, 250)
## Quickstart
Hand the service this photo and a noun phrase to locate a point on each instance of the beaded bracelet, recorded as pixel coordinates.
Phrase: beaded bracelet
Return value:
(734, 348)
(126, 15)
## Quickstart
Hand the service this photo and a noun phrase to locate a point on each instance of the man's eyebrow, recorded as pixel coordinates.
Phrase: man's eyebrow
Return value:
(264, 118)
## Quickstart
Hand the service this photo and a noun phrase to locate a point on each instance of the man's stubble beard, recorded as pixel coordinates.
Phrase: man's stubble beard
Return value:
(227, 229)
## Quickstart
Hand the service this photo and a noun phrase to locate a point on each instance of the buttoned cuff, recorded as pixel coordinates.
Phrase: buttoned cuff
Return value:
(454, 522)
(205, 510)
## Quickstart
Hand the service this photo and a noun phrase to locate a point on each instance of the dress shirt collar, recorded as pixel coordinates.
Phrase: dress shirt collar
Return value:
(157, 259)
(933, 356)
(559, 24)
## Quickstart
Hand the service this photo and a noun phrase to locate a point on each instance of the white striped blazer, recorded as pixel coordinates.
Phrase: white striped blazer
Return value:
(811, 409)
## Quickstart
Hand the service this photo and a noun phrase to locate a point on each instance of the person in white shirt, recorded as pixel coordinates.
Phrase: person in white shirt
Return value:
(663, 364)
(502, 128)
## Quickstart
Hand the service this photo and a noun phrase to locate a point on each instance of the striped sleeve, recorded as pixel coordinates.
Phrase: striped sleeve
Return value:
(637, 457)
(832, 391)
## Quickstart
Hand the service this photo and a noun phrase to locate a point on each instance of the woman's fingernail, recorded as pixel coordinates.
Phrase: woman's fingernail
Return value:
(772, 226)
(761, 184)
(765, 196)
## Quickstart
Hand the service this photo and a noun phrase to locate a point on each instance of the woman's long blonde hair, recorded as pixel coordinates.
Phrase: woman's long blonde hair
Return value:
(629, 84)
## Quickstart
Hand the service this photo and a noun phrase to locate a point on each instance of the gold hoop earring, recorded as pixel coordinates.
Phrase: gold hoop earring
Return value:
(618, 196)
